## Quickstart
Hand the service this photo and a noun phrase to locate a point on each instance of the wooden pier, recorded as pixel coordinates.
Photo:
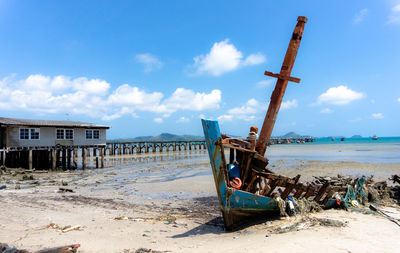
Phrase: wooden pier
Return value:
(83, 157)
(128, 148)
(291, 140)
(96, 156)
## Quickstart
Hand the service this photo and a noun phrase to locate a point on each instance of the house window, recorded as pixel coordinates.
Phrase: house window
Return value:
(89, 134)
(24, 133)
(69, 134)
(92, 134)
(29, 133)
(65, 134)
(60, 134)
(96, 134)
(35, 132)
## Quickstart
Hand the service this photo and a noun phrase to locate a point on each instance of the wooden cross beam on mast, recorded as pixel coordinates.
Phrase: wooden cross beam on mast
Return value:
(281, 84)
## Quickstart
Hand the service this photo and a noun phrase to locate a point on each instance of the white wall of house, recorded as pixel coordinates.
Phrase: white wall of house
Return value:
(47, 137)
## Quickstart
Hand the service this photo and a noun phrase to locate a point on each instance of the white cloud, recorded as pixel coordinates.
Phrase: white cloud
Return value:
(182, 120)
(377, 115)
(224, 57)
(93, 97)
(183, 99)
(398, 100)
(264, 83)
(327, 110)
(225, 117)
(254, 59)
(290, 104)
(158, 120)
(394, 17)
(359, 17)
(128, 95)
(339, 95)
(245, 112)
(149, 61)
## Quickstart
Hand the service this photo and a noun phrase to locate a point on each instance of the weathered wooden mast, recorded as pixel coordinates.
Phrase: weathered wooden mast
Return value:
(281, 84)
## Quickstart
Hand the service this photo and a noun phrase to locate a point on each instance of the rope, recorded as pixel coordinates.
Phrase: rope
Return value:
(353, 197)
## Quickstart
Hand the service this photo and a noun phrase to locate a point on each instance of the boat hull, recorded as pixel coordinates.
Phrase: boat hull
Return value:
(237, 206)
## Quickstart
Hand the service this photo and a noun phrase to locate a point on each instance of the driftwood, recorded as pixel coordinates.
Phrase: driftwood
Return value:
(381, 212)
(61, 189)
(73, 248)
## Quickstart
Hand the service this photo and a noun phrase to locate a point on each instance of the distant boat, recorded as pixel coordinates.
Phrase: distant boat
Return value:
(374, 137)
(342, 139)
(332, 139)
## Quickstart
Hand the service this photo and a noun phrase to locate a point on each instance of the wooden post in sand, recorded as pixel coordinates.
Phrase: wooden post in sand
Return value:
(30, 158)
(75, 159)
(53, 159)
(83, 158)
(69, 158)
(3, 162)
(102, 151)
(64, 158)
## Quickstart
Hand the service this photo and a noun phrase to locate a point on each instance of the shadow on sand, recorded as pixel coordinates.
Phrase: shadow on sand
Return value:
(204, 207)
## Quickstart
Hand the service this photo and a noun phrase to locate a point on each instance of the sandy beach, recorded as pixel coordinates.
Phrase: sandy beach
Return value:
(167, 202)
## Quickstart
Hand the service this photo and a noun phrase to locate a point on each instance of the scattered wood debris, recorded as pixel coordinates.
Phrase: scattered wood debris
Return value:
(73, 248)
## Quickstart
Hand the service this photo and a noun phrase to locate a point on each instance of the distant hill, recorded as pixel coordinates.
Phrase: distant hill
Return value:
(356, 136)
(291, 135)
(162, 137)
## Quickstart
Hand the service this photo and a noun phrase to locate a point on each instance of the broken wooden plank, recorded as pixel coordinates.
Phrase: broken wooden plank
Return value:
(287, 191)
(253, 179)
(328, 196)
(310, 191)
(321, 192)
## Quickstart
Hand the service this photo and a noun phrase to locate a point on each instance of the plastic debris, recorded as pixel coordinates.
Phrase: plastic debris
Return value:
(290, 203)
(65, 229)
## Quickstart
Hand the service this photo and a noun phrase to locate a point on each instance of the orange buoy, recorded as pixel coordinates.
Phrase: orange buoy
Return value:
(236, 183)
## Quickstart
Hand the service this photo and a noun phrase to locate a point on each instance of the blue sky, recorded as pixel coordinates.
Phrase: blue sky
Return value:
(147, 67)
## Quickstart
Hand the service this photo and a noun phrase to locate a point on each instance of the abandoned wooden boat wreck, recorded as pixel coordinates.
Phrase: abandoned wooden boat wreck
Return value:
(245, 186)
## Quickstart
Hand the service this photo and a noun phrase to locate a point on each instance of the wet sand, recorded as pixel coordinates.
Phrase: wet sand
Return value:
(168, 203)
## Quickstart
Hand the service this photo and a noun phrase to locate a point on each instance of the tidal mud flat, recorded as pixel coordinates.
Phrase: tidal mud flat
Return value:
(167, 202)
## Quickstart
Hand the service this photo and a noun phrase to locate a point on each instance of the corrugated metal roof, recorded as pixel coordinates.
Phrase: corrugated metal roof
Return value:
(49, 123)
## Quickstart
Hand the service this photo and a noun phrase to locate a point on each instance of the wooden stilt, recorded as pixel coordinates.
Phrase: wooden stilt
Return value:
(30, 159)
(53, 159)
(49, 159)
(64, 158)
(69, 158)
(102, 151)
(75, 159)
(3, 162)
(83, 158)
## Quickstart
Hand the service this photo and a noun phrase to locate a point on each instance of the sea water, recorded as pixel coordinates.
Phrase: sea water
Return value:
(363, 150)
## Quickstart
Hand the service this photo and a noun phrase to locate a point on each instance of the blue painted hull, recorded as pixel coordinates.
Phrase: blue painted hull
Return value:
(236, 205)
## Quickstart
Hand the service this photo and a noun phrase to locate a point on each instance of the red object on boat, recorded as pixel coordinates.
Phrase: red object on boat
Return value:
(236, 183)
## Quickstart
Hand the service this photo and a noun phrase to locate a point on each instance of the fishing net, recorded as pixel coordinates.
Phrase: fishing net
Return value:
(355, 196)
